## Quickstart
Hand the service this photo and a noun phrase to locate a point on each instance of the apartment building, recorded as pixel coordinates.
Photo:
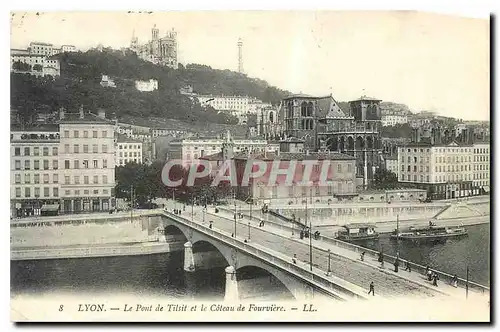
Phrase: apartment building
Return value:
(87, 156)
(446, 171)
(34, 168)
(190, 149)
(481, 168)
(128, 150)
(64, 168)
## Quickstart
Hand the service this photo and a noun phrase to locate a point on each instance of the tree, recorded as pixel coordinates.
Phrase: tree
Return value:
(37, 67)
(385, 179)
(21, 66)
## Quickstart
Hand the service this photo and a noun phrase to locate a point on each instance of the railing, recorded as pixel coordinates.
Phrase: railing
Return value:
(317, 280)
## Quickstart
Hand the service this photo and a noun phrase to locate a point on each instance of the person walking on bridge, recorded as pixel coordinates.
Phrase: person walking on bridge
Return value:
(372, 289)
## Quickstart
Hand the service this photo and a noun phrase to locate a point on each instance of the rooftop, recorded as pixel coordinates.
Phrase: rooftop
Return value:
(295, 156)
(40, 128)
(87, 118)
(120, 138)
(365, 98)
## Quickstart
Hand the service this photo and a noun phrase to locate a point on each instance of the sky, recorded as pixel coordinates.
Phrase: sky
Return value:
(427, 61)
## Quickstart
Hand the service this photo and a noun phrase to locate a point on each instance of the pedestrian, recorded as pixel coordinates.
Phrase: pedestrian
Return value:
(381, 259)
(454, 281)
(294, 259)
(362, 257)
(396, 265)
(372, 289)
(301, 235)
(435, 279)
(408, 266)
(210, 225)
(429, 274)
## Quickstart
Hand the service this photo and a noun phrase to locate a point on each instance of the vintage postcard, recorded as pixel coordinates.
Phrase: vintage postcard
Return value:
(313, 166)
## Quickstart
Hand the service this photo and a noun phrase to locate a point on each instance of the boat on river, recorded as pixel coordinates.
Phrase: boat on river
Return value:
(430, 233)
(357, 232)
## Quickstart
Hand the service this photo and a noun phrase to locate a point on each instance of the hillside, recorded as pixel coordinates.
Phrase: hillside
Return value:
(81, 74)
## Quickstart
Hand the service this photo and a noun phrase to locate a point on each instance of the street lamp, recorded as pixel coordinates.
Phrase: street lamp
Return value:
(329, 262)
(234, 196)
(248, 230)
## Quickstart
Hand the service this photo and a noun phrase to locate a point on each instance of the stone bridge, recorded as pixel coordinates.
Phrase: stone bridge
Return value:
(248, 266)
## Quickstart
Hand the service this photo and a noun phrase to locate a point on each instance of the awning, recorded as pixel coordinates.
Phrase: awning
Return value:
(486, 189)
(50, 207)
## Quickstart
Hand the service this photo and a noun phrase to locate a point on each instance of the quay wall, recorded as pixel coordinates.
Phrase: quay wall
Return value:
(90, 231)
(94, 251)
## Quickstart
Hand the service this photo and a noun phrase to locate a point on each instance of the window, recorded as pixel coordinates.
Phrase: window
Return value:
(409, 168)
(339, 168)
(402, 177)
(86, 179)
(94, 148)
(76, 164)
(17, 151)
(45, 151)
(409, 158)
(76, 134)
(85, 148)
(76, 148)
(36, 151)
(18, 192)
(96, 179)
(37, 192)
(27, 178)
(55, 164)
(77, 179)
(36, 178)
(26, 151)
(104, 163)
(66, 179)
(94, 134)
(96, 191)
(55, 192)
(77, 192)
(66, 164)
(85, 164)
(55, 178)
(18, 178)
(45, 178)
(26, 164)
(55, 151)
(104, 134)
(27, 192)
(104, 148)
(66, 148)
(46, 192)
(105, 191)
(85, 134)
(415, 168)
(95, 163)
(415, 159)
(17, 164)
(126, 154)
(45, 164)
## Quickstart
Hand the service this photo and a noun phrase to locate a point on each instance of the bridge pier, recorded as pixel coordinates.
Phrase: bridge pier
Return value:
(231, 294)
(189, 265)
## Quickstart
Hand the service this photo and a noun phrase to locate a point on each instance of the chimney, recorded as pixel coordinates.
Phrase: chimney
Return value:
(101, 113)
(61, 113)
(81, 112)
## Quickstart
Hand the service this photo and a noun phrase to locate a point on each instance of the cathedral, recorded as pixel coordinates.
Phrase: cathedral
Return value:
(161, 51)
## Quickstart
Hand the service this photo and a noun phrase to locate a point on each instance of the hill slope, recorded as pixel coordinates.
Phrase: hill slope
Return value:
(81, 74)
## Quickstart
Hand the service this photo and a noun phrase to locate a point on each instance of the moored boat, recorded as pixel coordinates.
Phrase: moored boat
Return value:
(430, 233)
(357, 232)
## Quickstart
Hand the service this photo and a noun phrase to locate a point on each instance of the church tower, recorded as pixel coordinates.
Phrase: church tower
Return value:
(154, 33)
(134, 42)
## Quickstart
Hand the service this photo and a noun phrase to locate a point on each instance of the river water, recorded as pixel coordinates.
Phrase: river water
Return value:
(163, 274)
(452, 256)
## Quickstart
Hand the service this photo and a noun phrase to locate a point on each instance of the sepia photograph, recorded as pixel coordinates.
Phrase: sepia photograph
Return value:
(246, 166)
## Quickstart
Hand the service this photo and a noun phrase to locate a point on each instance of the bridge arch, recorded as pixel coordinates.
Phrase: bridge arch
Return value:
(257, 281)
